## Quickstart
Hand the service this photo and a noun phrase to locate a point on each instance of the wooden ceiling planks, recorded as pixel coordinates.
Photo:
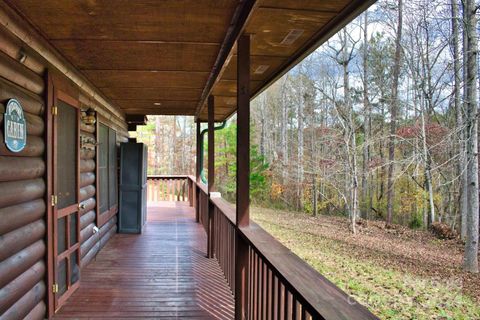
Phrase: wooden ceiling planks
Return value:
(156, 94)
(145, 78)
(143, 54)
(283, 31)
(138, 55)
(165, 57)
(154, 104)
(149, 20)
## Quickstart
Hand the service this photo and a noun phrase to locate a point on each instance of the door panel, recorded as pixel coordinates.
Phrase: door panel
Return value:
(66, 203)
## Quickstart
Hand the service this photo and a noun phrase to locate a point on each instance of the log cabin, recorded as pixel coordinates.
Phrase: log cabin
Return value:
(86, 72)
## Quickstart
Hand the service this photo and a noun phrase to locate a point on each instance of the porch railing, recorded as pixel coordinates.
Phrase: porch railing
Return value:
(169, 188)
(280, 285)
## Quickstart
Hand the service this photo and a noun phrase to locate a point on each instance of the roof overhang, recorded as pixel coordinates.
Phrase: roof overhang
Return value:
(166, 57)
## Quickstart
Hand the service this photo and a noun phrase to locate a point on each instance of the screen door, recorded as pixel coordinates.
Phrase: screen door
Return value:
(65, 201)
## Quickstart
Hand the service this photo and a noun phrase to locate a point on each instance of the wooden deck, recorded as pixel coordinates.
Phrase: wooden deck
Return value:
(162, 273)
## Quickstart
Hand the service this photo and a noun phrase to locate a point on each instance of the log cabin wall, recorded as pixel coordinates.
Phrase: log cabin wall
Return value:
(22, 199)
(23, 185)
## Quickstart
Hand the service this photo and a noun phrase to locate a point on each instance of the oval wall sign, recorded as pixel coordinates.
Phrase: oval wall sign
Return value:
(15, 126)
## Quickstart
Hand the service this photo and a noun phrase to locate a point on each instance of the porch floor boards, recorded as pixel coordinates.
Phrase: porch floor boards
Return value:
(162, 273)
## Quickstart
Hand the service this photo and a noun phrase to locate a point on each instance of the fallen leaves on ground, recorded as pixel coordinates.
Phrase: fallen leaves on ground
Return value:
(398, 273)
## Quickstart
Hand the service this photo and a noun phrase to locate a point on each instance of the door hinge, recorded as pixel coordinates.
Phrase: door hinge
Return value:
(54, 200)
(55, 288)
(54, 110)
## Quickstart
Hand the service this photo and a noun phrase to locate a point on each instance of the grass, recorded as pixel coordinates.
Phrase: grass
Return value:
(388, 292)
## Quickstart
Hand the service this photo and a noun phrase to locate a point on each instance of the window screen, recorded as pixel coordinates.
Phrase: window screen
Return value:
(67, 152)
(112, 167)
(103, 168)
(107, 168)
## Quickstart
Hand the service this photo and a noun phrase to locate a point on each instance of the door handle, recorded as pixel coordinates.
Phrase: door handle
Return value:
(81, 206)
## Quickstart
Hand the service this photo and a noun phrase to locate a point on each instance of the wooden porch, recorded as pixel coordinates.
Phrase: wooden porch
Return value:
(162, 273)
(117, 64)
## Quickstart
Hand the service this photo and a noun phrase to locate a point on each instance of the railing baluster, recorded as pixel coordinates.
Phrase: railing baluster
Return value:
(304, 313)
(270, 293)
(155, 189)
(269, 296)
(171, 188)
(294, 308)
(258, 287)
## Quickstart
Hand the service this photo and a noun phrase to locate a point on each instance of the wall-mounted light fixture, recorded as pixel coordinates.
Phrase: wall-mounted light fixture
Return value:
(22, 56)
(88, 117)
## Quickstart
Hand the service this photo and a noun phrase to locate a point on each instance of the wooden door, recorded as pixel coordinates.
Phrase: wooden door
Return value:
(65, 198)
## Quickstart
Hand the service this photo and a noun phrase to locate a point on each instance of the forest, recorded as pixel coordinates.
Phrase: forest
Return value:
(379, 124)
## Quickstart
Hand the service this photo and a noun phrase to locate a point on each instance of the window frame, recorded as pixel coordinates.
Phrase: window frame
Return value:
(112, 208)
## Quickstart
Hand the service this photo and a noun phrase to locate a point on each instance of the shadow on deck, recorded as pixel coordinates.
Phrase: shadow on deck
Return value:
(162, 273)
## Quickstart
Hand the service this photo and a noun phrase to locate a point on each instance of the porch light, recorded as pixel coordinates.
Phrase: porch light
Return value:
(22, 56)
(88, 117)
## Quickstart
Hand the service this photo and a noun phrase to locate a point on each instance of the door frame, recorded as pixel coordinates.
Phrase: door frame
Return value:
(58, 88)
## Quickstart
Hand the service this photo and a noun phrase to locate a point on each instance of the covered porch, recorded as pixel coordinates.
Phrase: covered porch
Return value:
(162, 273)
(87, 73)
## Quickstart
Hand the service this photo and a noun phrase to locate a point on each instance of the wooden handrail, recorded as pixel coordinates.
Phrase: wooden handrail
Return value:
(167, 176)
(280, 280)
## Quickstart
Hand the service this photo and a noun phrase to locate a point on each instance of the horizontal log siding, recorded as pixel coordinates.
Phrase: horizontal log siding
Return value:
(22, 205)
(22, 185)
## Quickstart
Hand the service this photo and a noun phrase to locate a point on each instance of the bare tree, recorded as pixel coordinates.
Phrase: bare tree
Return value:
(471, 135)
(344, 55)
(394, 106)
(461, 167)
(366, 203)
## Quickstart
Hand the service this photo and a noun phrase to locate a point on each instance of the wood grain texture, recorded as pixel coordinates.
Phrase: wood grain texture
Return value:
(27, 307)
(22, 203)
(18, 263)
(21, 168)
(17, 192)
(16, 216)
(142, 55)
(173, 20)
(160, 273)
(15, 290)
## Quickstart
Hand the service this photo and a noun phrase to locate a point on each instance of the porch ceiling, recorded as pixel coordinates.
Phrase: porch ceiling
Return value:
(165, 57)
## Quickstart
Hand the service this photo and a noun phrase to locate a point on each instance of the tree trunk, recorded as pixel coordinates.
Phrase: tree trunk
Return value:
(461, 168)
(300, 146)
(315, 206)
(366, 124)
(471, 243)
(428, 174)
(283, 130)
(262, 125)
(393, 115)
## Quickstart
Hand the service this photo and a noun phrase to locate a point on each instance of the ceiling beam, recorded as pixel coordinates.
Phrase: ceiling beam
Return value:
(240, 19)
(138, 41)
(136, 119)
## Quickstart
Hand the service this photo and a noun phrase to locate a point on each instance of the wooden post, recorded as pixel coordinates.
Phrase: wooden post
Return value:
(197, 175)
(243, 175)
(211, 173)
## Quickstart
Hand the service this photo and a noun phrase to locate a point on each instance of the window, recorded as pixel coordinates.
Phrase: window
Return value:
(107, 173)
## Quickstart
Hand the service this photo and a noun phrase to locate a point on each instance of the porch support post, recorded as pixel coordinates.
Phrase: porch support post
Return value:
(197, 175)
(243, 176)
(211, 174)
